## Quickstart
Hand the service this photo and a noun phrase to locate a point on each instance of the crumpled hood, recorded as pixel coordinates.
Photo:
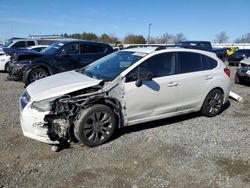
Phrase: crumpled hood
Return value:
(27, 54)
(59, 84)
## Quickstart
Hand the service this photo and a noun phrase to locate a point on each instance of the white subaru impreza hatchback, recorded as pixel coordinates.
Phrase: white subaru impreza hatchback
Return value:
(124, 88)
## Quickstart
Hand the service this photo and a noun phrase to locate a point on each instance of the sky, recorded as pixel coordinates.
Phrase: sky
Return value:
(196, 19)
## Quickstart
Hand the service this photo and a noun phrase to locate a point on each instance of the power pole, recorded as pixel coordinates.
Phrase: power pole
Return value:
(149, 27)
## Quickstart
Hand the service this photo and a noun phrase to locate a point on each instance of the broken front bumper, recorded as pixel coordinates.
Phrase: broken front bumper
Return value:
(33, 125)
(15, 73)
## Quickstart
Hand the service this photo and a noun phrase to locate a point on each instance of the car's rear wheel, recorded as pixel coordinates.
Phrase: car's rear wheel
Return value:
(37, 74)
(213, 103)
(95, 125)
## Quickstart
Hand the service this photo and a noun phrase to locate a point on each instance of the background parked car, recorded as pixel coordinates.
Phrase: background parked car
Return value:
(5, 59)
(207, 46)
(231, 49)
(62, 56)
(15, 69)
(238, 55)
(19, 43)
(242, 75)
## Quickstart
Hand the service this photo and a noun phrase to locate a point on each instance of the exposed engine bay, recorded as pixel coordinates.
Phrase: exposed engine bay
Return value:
(65, 110)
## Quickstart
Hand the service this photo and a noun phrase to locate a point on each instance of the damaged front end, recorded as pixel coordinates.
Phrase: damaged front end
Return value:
(65, 110)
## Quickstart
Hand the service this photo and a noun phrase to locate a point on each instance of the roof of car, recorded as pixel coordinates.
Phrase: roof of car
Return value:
(149, 50)
(146, 50)
(74, 40)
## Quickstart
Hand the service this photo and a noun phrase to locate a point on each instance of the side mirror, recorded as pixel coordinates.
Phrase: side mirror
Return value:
(144, 76)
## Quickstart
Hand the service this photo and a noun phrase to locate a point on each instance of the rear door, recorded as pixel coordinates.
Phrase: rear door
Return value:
(194, 80)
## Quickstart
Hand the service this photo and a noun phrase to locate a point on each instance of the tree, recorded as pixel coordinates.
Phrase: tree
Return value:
(89, 36)
(109, 39)
(243, 39)
(65, 35)
(134, 39)
(167, 38)
(84, 35)
(75, 36)
(221, 38)
(179, 37)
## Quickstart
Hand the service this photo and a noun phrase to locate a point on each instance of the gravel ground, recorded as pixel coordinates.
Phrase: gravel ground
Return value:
(185, 151)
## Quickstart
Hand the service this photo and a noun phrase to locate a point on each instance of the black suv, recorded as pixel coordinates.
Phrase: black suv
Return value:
(239, 55)
(59, 57)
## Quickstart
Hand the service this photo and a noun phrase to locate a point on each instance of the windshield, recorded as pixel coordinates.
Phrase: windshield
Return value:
(109, 67)
(52, 49)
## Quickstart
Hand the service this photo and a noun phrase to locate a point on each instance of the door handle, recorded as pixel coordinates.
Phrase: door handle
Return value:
(172, 84)
(208, 77)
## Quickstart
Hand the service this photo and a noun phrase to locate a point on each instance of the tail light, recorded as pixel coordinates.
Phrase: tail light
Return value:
(227, 71)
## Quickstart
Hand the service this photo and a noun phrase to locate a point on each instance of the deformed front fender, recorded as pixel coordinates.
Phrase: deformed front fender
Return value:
(28, 69)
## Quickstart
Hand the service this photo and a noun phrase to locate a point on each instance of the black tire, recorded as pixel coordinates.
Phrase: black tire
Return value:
(237, 79)
(37, 74)
(95, 125)
(213, 103)
(7, 67)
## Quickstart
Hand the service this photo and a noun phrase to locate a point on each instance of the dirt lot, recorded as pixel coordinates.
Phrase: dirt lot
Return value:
(186, 151)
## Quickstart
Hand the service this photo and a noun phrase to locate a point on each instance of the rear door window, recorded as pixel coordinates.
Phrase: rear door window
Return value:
(71, 49)
(92, 49)
(30, 43)
(189, 62)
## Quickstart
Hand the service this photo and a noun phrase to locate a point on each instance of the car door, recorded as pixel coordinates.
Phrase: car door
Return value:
(68, 57)
(156, 97)
(194, 81)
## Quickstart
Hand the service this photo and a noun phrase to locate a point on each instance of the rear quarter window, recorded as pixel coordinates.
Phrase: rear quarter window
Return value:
(208, 62)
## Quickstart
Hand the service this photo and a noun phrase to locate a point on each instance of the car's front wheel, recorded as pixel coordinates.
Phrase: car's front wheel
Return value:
(95, 125)
(213, 103)
(37, 74)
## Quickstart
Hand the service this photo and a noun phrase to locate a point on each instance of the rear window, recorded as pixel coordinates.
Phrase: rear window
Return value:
(92, 48)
